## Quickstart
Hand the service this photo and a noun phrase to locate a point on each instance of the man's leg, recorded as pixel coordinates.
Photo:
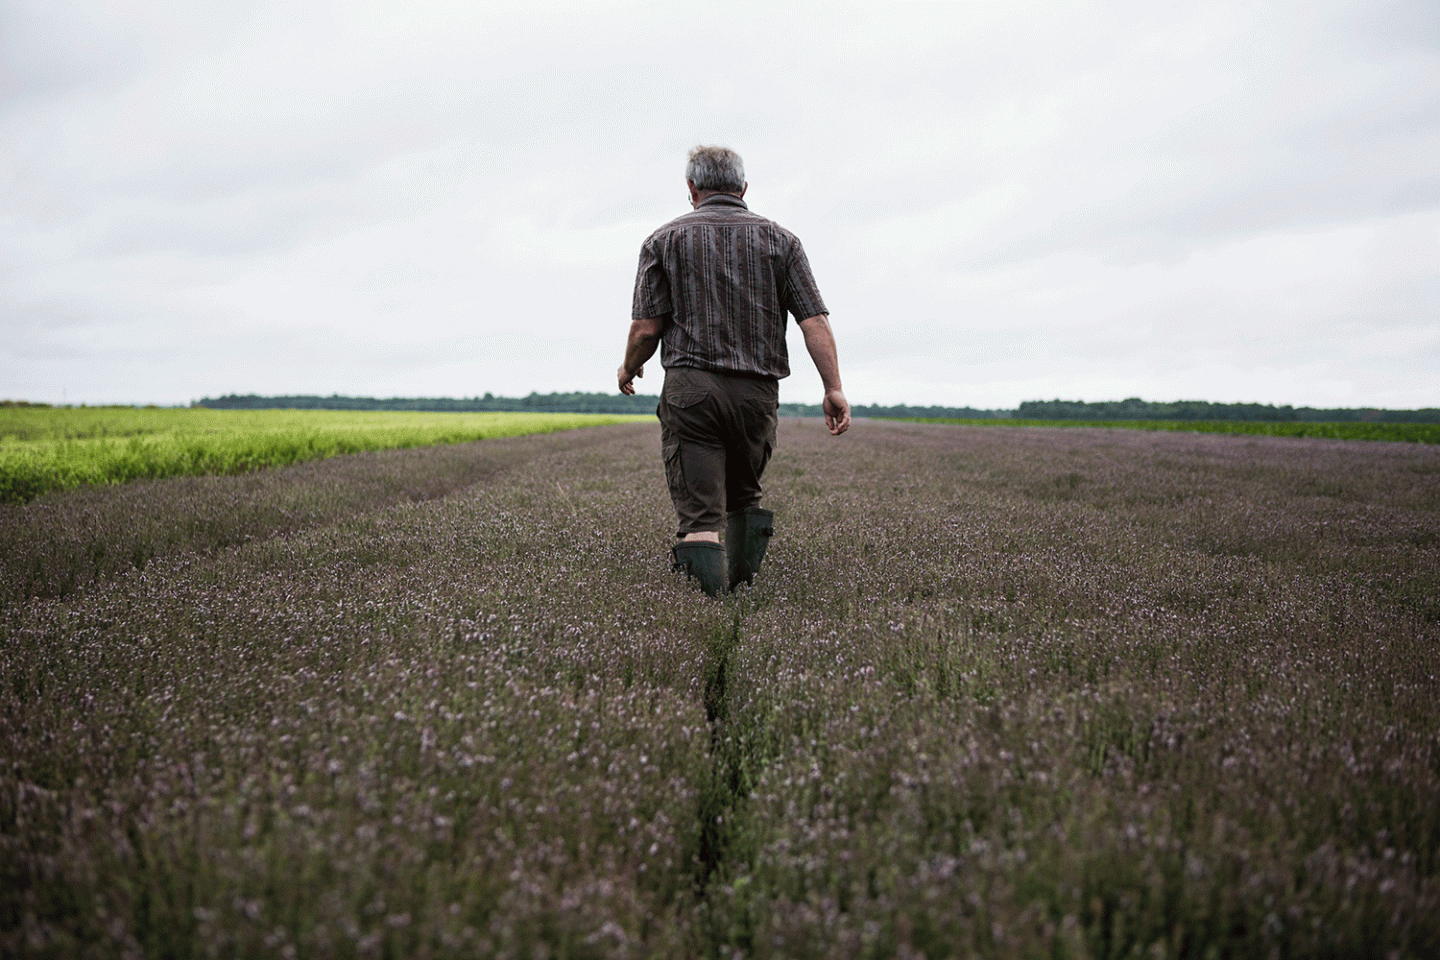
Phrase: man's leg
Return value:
(694, 472)
(748, 527)
(695, 456)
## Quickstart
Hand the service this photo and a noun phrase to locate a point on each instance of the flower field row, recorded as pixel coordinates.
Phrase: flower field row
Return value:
(1404, 432)
(46, 449)
(996, 692)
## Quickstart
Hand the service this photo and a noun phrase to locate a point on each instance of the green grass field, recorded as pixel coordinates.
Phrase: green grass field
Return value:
(47, 449)
(1406, 432)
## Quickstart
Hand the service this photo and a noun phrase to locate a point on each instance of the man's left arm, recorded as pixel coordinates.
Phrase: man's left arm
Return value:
(645, 333)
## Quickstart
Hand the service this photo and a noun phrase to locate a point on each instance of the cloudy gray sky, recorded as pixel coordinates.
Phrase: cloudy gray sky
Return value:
(1002, 201)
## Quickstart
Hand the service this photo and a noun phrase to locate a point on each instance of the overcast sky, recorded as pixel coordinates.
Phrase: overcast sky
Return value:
(1002, 201)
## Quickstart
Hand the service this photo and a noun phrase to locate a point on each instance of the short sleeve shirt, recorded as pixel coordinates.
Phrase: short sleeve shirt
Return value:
(724, 278)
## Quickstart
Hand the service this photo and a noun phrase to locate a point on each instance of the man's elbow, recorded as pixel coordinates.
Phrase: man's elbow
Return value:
(647, 328)
(816, 330)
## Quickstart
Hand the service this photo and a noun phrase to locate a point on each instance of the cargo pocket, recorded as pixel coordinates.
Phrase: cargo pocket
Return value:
(674, 471)
(683, 398)
(766, 451)
(762, 419)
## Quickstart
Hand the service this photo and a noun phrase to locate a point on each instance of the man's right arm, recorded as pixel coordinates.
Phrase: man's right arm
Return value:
(820, 341)
(645, 333)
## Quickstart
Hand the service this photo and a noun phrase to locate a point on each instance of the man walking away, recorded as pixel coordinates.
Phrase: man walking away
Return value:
(712, 292)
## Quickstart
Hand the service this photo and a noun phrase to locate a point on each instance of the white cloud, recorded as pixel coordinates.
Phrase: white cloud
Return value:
(1002, 201)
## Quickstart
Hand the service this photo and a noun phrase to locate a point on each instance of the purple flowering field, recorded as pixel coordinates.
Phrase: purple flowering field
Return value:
(998, 691)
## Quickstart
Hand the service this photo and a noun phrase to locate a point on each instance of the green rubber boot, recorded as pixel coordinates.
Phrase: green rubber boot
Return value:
(747, 533)
(703, 561)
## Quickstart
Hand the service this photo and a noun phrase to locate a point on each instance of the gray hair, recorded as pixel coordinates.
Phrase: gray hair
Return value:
(716, 168)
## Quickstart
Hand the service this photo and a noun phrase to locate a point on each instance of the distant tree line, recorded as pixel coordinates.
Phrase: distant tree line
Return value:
(535, 402)
(899, 411)
(1131, 409)
(553, 402)
(1136, 409)
(953, 413)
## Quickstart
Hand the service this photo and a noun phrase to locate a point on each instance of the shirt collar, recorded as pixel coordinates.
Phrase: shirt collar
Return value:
(726, 198)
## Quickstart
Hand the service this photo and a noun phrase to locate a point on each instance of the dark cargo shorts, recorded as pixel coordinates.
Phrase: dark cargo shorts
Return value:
(717, 432)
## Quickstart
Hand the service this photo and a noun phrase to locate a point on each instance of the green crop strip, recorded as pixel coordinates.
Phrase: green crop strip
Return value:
(1406, 432)
(43, 450)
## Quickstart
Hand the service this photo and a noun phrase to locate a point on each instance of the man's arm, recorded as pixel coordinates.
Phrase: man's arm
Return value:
(820, 341)
(639, 347)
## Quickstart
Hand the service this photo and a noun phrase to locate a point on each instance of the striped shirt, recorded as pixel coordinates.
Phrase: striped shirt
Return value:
(724, 278)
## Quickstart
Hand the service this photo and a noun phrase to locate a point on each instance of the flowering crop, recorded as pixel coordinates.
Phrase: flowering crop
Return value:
(45, 449)
(1409, 432)
(995, 692)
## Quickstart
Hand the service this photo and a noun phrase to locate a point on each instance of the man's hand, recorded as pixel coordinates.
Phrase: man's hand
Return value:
(837, 412)
(627, 379)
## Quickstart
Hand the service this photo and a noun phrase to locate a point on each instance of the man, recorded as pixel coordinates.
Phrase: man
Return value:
(712, 291)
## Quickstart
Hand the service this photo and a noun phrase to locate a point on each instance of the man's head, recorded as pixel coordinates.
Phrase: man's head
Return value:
(716, 170)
